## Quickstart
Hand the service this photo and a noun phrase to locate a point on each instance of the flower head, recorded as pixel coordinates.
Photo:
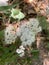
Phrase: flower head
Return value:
(20, 51)
(10, 34)
(28, 31)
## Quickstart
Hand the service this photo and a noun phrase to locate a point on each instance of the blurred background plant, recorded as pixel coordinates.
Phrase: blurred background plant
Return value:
(15, 12)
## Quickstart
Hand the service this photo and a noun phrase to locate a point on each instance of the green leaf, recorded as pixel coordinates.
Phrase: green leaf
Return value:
(4, 8)
(47, 45)
(17, 14)
(35, 54)
(1, 34)
(43, 22)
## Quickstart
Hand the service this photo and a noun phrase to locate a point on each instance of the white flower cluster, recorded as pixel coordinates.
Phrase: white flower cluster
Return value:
(3, 2)
(20, 51)
(28, 31)
(10, 35)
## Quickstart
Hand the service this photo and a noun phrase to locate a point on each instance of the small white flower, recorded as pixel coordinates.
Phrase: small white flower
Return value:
(39, 29)
(10, 34)
(3, 2)
(22, 47)
(17, 14)
(28, 41)
(33, 22)
(20, 52)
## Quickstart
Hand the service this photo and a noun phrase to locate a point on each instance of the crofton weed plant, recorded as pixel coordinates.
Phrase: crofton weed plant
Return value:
(24, 32)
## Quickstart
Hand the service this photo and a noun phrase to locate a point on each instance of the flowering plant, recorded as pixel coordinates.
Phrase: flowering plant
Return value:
(24, 32)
